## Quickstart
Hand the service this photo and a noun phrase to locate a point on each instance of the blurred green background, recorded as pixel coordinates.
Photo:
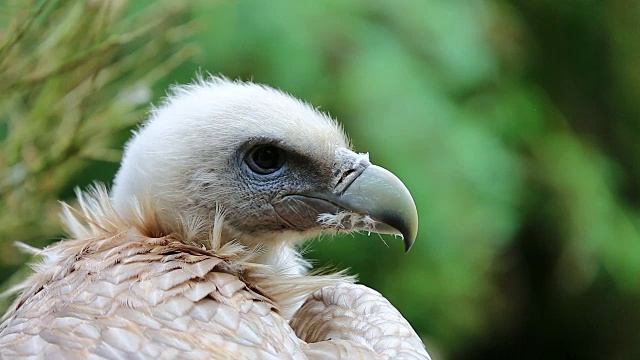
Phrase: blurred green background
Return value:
(515, 124)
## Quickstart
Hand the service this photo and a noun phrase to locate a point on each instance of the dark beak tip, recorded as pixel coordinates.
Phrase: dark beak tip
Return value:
(408, 243)
(409, 238)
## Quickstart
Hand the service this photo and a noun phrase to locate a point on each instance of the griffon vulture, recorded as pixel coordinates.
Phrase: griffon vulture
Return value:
(193, 253)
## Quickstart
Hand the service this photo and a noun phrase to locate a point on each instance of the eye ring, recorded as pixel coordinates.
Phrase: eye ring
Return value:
(265, 159)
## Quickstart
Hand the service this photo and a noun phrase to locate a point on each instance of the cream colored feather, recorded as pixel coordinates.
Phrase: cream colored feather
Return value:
(129, 285)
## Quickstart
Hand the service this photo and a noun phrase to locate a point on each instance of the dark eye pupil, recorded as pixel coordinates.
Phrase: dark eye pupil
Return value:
(266, 159)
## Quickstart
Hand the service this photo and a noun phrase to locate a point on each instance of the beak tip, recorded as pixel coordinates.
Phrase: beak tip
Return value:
(408, 243)
(409, 235)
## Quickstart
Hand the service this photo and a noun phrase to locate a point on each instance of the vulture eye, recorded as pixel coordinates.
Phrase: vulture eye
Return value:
(265, 159)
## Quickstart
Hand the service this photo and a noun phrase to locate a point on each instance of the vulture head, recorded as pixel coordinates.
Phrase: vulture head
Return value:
(279, 170)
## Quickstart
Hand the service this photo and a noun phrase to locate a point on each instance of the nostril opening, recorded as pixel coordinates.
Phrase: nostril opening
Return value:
(344, 176)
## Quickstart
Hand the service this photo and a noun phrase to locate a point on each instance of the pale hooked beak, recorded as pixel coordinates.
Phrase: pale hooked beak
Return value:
(378, 193)
(369, 191)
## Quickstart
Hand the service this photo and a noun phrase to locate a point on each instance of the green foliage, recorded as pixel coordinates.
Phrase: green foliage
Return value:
(512, 126)
(74, 76)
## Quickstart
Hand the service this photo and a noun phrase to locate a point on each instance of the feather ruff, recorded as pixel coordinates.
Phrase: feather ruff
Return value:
(97, 227)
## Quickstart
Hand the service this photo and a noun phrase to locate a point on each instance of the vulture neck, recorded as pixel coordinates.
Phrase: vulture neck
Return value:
(285, 260)
(278, 250)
